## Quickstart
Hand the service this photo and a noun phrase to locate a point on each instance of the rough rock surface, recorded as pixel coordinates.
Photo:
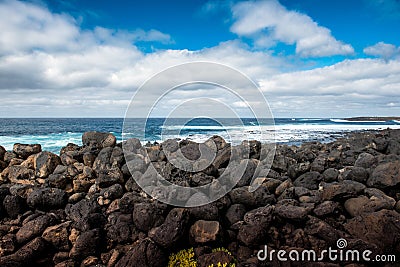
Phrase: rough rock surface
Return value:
(85, 208)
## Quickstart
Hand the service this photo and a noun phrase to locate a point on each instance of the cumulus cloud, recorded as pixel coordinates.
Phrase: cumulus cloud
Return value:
(50, 66)
(268, 21)
(361, 86)
(383, 50)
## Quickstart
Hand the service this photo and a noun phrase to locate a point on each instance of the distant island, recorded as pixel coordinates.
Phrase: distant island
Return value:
(372, 118)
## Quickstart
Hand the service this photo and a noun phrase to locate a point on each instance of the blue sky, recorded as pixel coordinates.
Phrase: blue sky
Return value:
(310, 58)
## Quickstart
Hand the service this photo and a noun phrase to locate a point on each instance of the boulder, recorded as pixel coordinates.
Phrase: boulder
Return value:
(341, 190)
(120, 229)
(98, 139)
(33, 250)
(318, 165)
(205, 231)
(45, 163)
(17, 174)
(365, 160)
(148, 215)
(88, 243)
(358, 174)
(167, 234)
(14, 206)
(309, 180)
(34, 228)
(261, 216)
(85, 214)
(235, 213)
(377, 200)
(258, 198)
(24, 150)
(144, 253)
(330, 175)
(47, 198)
(217, 258)
(246, 169)
(109, 177)
(291, 212)
(381, 228)
(57, 236)
(103, 160)
(252, 235)
(2, 153)
(385, 175)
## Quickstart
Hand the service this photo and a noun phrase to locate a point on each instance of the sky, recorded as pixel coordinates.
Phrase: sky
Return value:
(83, 58)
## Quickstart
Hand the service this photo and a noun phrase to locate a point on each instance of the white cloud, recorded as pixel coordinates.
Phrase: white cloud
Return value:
(362, 76)
(68, 71)
(383, 50)
(362, 86)
(258, 19)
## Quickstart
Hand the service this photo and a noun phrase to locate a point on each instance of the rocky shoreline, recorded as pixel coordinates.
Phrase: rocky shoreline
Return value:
(84, 208)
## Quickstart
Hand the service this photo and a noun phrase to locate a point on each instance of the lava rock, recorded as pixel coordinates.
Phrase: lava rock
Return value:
(330, 175)
(85, 214)
(26, 255)
(144, 253)
(309, 180)
(14, 205)
(365, 160)
(252, 235)
(326, 208)
(120, 228)
(88, 243)
(377, 200)
(208, 212)
(98, 139)
(113, 192)
(24, 150)
(261, 216)
(358, 174)
(291, 212)
(16, 174)
(57, 236)
(109, 177)
(47, 198)
(34, 228)
(258, 198)
(381, 228)
(385, 175)
(2, 153)
(172, 229)
(235, 213)
(45, 163)
(205, 231)
(148, 215)
(217, 258)
(341, 190)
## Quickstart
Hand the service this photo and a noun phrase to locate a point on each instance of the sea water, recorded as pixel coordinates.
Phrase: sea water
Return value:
(54, 133)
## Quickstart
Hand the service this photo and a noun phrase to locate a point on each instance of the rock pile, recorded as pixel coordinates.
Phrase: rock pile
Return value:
(84, 207)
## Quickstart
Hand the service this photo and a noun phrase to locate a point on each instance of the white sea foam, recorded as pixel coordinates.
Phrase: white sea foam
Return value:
(351, 121)
(284, 133)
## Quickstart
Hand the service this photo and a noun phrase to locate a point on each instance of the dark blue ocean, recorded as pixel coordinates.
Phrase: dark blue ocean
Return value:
(54, 133)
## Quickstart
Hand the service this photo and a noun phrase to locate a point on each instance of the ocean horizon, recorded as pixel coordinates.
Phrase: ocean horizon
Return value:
(54, 133)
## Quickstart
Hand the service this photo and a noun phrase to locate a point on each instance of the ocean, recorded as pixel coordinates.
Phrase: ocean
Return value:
(54, 133)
